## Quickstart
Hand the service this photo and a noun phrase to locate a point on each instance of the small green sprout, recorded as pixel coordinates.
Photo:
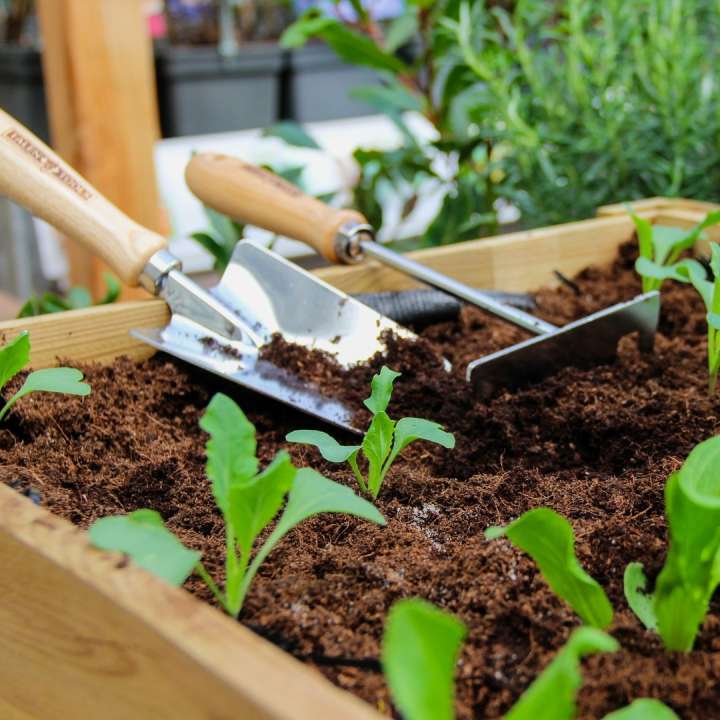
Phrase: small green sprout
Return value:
(548, 538)
(420, 650)
(384, 440)
(660, 248)
(552, 694)
(691, 572)
(249, 499)
(77, 298)
(643, 709)
(16, 355)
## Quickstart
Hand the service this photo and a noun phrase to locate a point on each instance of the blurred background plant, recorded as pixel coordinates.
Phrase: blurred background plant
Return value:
(595, 102)
(423, 71)
(76, 298)
(556, 106)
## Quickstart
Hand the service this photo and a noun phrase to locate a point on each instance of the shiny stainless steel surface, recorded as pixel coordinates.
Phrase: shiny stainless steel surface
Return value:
(590, 340)
(454, 287)
(223, 330)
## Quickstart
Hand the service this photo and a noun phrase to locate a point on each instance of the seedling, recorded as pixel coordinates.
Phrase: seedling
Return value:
(384, 440)
(661, 247)
(248, 499)
(420, 650)
(16, 355)
(691, 573)
(548, 538)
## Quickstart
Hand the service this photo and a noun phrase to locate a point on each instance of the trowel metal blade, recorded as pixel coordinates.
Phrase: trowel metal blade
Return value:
(585, 342)
(238, 363)
(267, 295)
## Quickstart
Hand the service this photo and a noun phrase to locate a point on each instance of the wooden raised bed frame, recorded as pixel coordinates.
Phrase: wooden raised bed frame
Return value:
(85, 634)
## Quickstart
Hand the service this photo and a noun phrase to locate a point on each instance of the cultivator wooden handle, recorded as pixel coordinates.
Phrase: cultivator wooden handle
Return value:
(32, 175)
(258, 197)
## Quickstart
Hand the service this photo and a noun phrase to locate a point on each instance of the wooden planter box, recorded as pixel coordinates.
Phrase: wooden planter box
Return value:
(85, 634)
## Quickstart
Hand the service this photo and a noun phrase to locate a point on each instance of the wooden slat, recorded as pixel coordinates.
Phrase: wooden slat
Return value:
(96, 334)
(87, 635)
(658, 204)
(100, 86)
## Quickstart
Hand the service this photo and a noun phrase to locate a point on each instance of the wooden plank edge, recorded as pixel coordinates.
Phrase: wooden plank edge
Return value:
(656, 204)
(189, 659)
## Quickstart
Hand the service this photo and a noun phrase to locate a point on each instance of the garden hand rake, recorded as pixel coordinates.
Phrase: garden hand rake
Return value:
(222, 329)
(257, 197)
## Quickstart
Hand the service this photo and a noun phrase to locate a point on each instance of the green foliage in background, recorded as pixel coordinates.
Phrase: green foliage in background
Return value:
(76, 298)
(557, 106)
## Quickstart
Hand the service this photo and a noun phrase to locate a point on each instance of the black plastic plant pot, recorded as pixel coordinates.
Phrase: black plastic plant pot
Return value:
(21, 87)
(317, 85)
(201, 91)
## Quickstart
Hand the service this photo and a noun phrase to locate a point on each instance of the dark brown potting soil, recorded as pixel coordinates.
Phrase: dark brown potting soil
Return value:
(597, 445)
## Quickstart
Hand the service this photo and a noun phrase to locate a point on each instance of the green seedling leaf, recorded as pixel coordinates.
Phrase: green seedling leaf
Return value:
(649, 269)
(548, 538)
(14, 357)
(253, 503)
(327, 445)
(381, 390)
(312, 494)
(408, 430)
(643, 709)
(644, 231)
(669, 241)
(376, 446)
(231, 448)
(292, 133)
(552, 695)
(639, 600)
(692, 569)
(420, 650)
(143, 536)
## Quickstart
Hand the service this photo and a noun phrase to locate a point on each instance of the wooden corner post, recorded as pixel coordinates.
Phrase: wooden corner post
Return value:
(102, 106)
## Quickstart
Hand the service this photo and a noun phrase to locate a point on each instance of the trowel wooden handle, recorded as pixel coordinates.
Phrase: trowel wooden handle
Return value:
(32, 175)
(257, 197)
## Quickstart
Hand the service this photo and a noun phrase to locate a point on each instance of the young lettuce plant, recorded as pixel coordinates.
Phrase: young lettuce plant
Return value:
(691, 573)
(548, 538)
(420, 649)
(660, 248)
(16, 355)
(384, 440)
(248, 499)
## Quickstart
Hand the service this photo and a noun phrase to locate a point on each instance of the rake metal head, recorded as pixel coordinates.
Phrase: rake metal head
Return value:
(588, 341)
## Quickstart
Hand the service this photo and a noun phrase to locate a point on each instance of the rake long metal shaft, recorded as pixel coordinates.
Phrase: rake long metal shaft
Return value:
(442, 282)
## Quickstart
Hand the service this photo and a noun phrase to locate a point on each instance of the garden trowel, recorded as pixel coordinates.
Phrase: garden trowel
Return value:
(223, 329)
(257, 197)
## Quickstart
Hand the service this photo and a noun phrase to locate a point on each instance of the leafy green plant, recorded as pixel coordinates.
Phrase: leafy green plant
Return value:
(384, 439)
(594, 102)
(661, 247)
(15, 355)
(249, 499)
(420, 649)
(76, 298)
(548, 538)
(429, 79)
(691, 573)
